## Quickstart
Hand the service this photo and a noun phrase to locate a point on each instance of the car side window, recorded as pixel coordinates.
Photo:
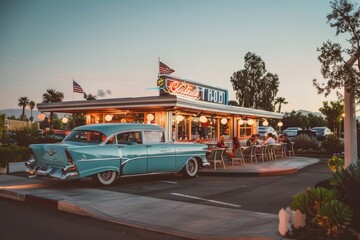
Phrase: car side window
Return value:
(154, 137)
(111, 140)
(129, 138)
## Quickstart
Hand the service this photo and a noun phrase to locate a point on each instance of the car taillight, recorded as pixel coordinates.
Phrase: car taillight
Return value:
(69, 158)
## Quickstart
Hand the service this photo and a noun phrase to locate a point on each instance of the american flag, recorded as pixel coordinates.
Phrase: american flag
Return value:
(163, 69)
(77, 88)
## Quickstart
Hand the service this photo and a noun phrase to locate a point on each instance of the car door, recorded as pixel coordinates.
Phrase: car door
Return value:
(161, 156)
(133, 153)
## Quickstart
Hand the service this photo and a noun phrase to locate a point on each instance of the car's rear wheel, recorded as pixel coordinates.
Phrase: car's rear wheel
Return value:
(105, 178)
(191, 167)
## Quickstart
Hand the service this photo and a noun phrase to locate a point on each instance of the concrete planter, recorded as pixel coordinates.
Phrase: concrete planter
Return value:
(13, 167)
(3, 170)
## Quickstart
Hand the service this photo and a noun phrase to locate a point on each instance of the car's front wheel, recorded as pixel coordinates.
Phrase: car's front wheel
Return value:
(191, 167)
(105, 178)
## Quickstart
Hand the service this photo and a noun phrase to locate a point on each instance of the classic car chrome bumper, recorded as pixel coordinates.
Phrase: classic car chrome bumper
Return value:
(64, 174)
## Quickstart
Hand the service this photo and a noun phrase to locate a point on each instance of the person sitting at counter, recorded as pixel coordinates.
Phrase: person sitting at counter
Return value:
(236, 145)
(253, 140)
(221, 142)
(286, 140)
(270, 140)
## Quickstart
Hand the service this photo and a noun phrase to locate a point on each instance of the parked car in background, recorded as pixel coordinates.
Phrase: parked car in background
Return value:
(321, 132)
(262, 130)
(105, 151)
(292, 131)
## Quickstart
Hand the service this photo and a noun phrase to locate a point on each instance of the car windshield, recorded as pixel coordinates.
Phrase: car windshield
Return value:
(83, 136)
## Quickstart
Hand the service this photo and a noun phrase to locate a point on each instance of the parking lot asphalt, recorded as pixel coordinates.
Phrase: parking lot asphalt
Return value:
(184, 219)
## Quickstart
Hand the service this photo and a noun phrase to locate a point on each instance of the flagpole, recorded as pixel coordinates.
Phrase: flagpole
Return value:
(73, 90)
(159, 67)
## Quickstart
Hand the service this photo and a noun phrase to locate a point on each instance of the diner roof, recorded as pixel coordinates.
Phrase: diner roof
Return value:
(153, 103)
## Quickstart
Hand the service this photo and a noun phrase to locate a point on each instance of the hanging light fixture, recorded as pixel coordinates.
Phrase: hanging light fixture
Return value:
(41, 117)
(64, 119)
(265, 122)
(280, 124)
(203, 119)
(150, 117)
(123, 120)
(241, 122)
(108, 117)
(224, 121)
(250, 121)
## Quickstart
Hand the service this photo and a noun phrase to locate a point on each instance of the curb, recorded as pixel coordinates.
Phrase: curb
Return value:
(73, 208)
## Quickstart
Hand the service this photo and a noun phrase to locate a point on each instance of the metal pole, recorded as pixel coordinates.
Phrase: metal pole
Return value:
(350, 141)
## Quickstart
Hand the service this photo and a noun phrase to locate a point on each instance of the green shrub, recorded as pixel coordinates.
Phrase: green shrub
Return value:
(305, 142)
(13, 153)
(334, 216)
(333, 145)
(323, 211)
(347, 182)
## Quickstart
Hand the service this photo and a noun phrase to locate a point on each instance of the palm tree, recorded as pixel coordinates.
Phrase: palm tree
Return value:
(23, 102)
(31, 106)
(89, 96)
(280, 100)
(51, 96)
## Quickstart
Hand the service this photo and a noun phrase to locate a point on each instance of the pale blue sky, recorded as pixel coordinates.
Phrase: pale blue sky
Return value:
(115, 45)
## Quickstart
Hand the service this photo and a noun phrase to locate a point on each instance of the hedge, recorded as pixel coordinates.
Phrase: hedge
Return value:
(13, 153)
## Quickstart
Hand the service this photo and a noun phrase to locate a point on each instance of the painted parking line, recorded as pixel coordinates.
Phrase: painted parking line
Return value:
(204, 199)
(171, 182)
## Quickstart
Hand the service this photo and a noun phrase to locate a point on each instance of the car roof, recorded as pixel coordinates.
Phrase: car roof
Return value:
(110, 128)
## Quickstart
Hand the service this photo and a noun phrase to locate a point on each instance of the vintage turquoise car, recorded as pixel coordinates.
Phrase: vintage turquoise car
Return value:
(105, 151)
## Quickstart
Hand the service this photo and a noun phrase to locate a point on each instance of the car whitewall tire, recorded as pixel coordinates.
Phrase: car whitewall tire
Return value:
(105, 178)
(191, 167)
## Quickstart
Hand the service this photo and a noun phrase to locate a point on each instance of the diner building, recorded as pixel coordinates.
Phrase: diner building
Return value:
(187, 110)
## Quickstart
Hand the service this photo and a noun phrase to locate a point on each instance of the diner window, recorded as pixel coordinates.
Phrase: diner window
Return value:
(207, 129)
(245, 130)
(180, 126)
(154, 137)
(224, 127)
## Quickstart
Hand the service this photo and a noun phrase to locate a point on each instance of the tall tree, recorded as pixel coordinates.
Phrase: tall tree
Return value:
(254, 86)
(31, 106)
(51, 96)
(333, 113)
(23, 102)
(89, 97)
(280, 101)
(345, 17)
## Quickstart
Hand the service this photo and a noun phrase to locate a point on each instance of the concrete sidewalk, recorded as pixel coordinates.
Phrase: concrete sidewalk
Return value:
(189, 220)
(273, 168)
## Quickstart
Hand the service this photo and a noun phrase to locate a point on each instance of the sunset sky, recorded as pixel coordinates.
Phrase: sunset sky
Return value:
(111, 48)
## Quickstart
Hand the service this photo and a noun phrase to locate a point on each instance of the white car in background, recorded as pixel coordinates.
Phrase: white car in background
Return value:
(263, 131)
(322, 132)
(292, 131)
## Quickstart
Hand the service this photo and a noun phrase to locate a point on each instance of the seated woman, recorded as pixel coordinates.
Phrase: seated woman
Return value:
(270, 140)
(236, 146)
(221, 142)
